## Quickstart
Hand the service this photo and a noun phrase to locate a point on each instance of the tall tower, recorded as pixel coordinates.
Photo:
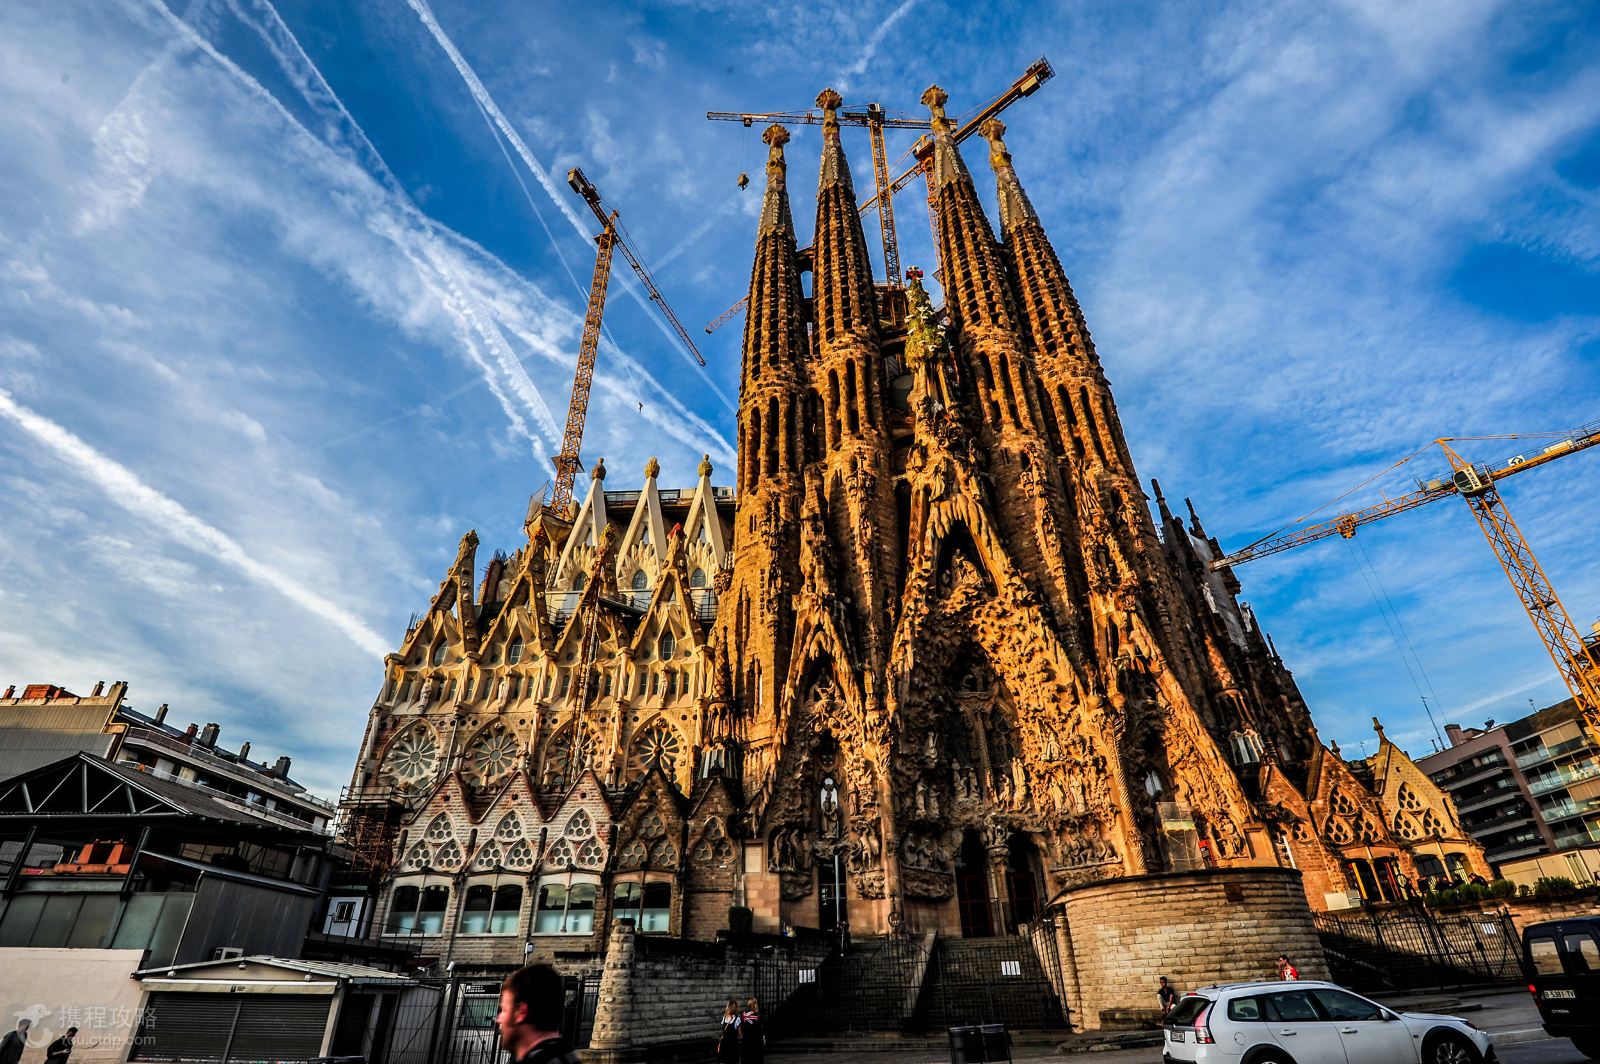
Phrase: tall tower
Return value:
(755, 621)
(996, 362)
(846, 432)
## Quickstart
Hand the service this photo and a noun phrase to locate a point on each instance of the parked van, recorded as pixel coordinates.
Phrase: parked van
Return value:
(1563, 963)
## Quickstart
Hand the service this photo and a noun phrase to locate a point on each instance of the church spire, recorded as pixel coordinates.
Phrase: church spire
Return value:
(1015, 209)
(775, 204)
(844, 299)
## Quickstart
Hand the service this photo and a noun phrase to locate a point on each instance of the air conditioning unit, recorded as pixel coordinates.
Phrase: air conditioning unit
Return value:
(226, 953)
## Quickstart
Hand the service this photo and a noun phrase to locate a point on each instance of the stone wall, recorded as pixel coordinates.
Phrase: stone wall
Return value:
(1195, 928)
(661, 999)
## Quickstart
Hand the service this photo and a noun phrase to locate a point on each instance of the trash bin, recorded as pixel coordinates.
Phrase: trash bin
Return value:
(966, 1045)
(996, 1042)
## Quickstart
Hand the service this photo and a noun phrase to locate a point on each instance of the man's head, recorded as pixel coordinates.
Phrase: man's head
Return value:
(1163, 980)
(72, 1030)
(23, 1025)
(532, 1001)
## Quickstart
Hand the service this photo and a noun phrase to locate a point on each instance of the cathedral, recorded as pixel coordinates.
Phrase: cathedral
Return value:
(929, 663)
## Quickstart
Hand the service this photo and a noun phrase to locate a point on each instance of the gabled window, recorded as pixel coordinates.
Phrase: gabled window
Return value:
(514, 652)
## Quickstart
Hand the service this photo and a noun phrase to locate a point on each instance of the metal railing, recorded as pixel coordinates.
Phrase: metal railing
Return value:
(255, 808)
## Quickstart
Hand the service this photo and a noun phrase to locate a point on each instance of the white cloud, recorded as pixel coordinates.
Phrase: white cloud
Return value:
(126, 490)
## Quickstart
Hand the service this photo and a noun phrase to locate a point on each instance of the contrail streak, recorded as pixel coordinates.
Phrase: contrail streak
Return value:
(125, 488)
(302, 73)
(492, 109)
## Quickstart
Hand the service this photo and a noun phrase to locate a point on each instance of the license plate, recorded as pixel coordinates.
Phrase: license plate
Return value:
(1550, 995)
(1177, 1036)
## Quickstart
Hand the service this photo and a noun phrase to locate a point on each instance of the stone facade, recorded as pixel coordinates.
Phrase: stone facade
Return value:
(931, 665)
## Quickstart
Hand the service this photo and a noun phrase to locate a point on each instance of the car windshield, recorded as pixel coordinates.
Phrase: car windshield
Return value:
(1184, 1012)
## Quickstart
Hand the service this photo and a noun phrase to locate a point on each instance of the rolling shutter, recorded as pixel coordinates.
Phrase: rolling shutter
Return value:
(180, 1026)
(261, 1027)
(279, 1028)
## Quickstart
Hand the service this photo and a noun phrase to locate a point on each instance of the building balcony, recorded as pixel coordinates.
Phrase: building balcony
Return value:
(1483, 801)
(1543, 754)
(1566, 776)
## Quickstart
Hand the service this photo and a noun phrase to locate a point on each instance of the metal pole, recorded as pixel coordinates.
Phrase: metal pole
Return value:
(837, 888)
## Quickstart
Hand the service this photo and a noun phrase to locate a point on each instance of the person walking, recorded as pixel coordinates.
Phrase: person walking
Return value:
(728, 1040)
(1167, 996)
(12, 1045)
(1287, 971)
(532, 1002)
(58, 1051)
(752, 1035)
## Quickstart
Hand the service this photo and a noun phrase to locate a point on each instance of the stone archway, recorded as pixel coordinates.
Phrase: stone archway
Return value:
(1022, 874)
(973, 900)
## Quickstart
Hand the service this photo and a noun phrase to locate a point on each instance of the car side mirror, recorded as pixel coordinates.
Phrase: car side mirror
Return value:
(1389, 1017)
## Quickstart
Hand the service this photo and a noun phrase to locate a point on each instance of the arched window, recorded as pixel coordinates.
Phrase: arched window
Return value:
(697, 578)
(439, 653)
(641, 580)
(578, 581)
(491, 906)
(417, 907)
(666, 646)
(514, 652)
(648, 903)
(566, 905)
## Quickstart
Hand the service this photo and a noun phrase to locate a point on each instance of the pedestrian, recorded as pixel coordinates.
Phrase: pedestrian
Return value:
(1167, 996)
(532, 1003)
(728, 1040)
(844, 935)
(1287, 971)
(752, 1035)
(12, 1045)
(58, 1051)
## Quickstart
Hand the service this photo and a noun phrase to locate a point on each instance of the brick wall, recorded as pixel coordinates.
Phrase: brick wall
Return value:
(661, 999)
(1195, 928)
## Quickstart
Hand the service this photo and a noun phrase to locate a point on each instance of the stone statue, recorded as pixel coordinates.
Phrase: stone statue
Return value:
(425, 696)
(828, 802)
(502, 693)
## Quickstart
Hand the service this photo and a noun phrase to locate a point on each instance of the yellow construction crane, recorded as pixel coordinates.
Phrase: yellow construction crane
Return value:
(1478, 484)
(876, 119)
(612, 237)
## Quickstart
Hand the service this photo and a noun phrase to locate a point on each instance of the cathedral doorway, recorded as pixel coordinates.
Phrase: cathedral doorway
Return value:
(972, 888)
(831, 901)
(1022, 880)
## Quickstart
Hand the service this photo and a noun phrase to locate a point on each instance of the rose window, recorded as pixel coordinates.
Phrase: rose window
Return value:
(569, 754)
(413, 757)
(520, 856)
(492, 755)
(657, 744)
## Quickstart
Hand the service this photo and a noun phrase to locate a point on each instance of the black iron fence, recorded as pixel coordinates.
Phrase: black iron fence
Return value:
(1413, 948)
(451, 1020)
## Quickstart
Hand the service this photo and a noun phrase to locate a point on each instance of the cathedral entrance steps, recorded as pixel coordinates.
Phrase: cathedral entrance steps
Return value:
(917, 985)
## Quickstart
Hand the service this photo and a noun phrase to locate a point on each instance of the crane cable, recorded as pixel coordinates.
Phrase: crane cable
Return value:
(1397, 631)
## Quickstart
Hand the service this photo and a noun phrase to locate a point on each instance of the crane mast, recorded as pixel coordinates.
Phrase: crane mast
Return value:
(1478, 486)
(610, 240)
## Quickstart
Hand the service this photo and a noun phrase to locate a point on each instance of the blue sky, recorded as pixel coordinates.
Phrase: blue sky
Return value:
(289, 297)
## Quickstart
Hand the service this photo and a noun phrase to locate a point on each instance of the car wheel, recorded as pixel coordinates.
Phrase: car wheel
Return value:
(1589, 1047)
(1270, 1056)
(1447, 1047)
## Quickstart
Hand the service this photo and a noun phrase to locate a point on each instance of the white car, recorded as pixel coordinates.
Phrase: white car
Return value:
(1307, 1022)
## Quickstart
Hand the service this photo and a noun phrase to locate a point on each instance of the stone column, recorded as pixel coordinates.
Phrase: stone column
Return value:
(613, 1012)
